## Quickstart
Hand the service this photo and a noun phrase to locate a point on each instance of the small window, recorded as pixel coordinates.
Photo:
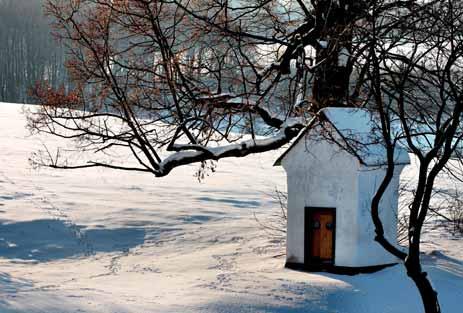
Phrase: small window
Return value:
(329, 226)
(316, 225)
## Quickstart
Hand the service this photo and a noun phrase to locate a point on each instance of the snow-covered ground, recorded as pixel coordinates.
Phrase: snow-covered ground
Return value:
(100, 240)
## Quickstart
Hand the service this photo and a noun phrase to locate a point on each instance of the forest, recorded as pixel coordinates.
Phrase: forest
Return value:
(28, 52)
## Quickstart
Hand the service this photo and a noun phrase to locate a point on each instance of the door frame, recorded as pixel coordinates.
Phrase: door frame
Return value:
(308, 211)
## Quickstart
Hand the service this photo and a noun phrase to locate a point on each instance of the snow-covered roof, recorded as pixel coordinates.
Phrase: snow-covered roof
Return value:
(360, 133)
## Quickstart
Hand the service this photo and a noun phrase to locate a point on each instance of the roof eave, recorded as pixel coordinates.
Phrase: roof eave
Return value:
(301, 134)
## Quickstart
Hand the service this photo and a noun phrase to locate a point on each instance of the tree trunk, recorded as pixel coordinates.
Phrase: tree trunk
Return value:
(331, 85)
(427, 292)
(331, 77)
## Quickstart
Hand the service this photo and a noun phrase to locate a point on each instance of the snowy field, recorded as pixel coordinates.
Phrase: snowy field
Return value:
(117, 242)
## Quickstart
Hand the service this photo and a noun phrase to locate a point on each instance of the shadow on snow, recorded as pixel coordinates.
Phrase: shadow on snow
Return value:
(48, 239)
(236, 203)
(387, 291)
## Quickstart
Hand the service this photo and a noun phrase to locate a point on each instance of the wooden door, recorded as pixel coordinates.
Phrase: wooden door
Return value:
(326, 236)
(321, 235)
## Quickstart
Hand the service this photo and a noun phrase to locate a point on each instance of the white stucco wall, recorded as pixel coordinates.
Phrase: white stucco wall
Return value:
(369, 179)
(320, 174)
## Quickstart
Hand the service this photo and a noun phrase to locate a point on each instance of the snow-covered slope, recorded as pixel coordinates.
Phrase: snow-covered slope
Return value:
(110, 241)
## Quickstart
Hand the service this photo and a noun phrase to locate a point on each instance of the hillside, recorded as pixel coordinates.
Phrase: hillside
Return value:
(109, 241)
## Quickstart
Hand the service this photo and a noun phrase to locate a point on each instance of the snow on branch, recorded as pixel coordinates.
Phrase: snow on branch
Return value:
(187, 154)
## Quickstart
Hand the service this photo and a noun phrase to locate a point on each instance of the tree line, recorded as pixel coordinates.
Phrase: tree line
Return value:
(28, 52)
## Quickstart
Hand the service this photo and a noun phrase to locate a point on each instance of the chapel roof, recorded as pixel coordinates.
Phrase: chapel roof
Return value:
(360, 133)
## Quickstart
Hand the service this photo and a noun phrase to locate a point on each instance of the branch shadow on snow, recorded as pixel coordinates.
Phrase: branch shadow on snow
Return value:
(234, 202)
(437, 260)
(19, 295)
(49, 239)
(10, 286)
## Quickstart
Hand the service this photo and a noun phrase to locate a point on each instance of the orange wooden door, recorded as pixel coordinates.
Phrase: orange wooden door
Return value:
(315, 238)
(322, 224)
(326, 236)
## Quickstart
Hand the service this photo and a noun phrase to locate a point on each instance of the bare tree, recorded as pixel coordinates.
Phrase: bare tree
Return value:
(175, 82)
(416, 86)
(197, 69)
